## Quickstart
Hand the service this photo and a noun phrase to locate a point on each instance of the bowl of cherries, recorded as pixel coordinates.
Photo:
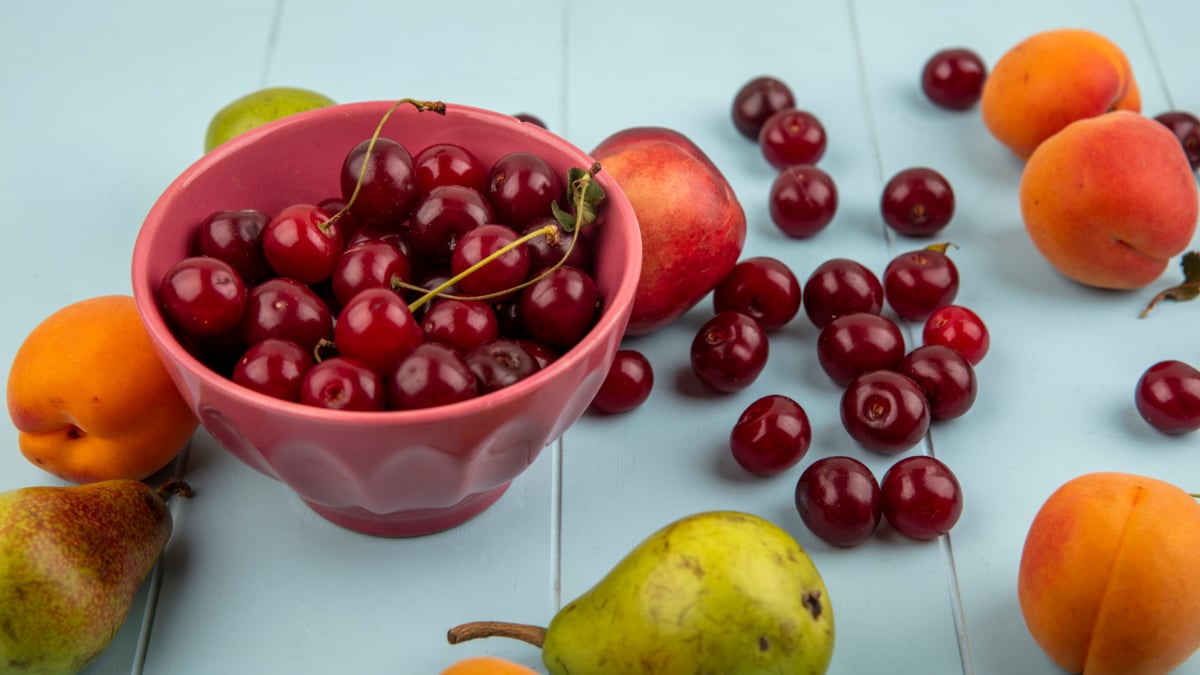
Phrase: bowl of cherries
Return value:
(391, 307)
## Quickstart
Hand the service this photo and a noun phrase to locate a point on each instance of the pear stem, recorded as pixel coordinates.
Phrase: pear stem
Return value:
(534, 635)
(174, 486)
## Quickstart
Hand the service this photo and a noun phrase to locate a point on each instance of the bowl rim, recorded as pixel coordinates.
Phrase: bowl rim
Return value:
(610, 320)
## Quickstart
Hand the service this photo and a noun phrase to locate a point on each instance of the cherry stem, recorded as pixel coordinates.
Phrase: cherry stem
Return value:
(549, 230)
(421, 106)
(174, 486)
(534, 635)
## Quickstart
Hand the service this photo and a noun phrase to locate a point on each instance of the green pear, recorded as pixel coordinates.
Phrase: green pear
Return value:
(717, 592)
(71, 560)
(258, 108)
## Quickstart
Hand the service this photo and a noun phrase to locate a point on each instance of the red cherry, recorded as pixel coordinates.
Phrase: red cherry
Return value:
(729, 352)
(954, 78)
(1168, 397)
(762, 288)
(803, 201)
(960, 329)
(628, 384)
(274, 367)
(771, 435)
(301, 243)
(885, 411)
(757, 100)
(792, 137)
(917, 202)
(838, 499)
(918, 282)
(946, 376)
(341, 383)
(922, 498)
(376, 328)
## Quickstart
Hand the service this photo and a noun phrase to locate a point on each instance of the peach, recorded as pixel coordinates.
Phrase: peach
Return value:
(1051, 79)
(90, 398)
(1109, 578)
(693, 227)
(1109, 200)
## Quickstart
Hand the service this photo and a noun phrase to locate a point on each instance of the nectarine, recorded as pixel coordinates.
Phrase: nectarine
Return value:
(1109, 579)
(1051, 79)
(90, 398)
(692, 225)
(1109, 200)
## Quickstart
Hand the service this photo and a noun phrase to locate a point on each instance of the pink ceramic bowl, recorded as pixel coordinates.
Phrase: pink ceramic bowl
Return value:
(400, 473)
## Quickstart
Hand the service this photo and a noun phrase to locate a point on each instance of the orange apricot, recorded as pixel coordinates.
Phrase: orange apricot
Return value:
(1051, 79)
(90, 398)
(1109, 578)
(487, 665)
(1110, 200)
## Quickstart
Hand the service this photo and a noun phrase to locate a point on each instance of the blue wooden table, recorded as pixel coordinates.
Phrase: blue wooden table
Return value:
(103, 104)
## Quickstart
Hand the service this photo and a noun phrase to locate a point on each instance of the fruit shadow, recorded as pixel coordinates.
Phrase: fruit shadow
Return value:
(1138, 428)
(1015, 261)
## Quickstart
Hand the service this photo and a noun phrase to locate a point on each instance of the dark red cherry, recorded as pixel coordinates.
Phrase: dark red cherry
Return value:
(341, 383)
(203, 296)
(803, 201)
(500, 363)
(521, 187)
(302, 243)
(285, 309)
(757, 100)
(1167, 396)
(917, 202)
(729, 352)
(854, 344)
(954, 78)
(838, 499)
(383, 191)
(771, 436)
(922, 498)
(448, 164)
(627, 385)
(274, 367)
(236, 238)
(918, 282)
(559, 308)
(377, 328)
(946, 376)
(763, 288)
(431, 375)
(885, 411)
(443, 216)
(841, 286)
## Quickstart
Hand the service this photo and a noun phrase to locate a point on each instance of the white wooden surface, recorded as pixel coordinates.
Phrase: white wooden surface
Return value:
(102, 104)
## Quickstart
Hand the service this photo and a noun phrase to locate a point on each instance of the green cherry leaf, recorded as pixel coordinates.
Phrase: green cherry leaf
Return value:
(1188, 290)
(586, 197)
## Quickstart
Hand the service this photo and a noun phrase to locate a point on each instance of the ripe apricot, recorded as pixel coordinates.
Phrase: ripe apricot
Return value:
(1110, 200)
(487, 665)
(90, 398)
(1109, 579)
(1051, 79)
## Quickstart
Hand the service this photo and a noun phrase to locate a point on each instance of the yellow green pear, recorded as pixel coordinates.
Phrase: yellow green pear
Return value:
(258, 108)
(716, 592)
(71, 561)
